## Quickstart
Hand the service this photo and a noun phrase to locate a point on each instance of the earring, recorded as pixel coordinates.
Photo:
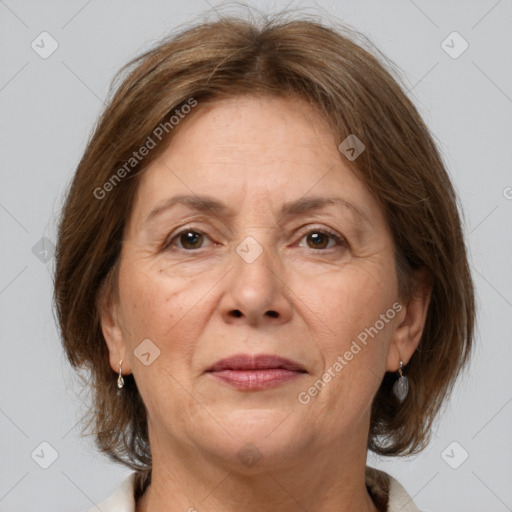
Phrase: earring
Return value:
(120, 380)
(401, 386)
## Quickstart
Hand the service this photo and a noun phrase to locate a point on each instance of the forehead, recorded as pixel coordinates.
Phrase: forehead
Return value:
(252, 150)
(261, 128)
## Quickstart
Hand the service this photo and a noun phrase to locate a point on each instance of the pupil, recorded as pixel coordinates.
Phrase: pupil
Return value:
(191, 239)
(318, 239)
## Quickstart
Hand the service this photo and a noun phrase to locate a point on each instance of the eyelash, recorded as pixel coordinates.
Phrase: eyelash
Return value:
(340, 241)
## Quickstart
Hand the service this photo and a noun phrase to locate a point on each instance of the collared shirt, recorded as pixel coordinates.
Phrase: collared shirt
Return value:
(386, 492)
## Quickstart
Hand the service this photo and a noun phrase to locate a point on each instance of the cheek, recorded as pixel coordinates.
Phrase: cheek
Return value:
(352, 337)
(348, 301)
(170, 311)
(155, 304)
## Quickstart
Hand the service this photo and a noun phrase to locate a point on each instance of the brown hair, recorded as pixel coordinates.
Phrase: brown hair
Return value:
(400, 166)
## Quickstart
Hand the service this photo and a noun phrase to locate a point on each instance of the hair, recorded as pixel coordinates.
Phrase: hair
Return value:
(401, 166)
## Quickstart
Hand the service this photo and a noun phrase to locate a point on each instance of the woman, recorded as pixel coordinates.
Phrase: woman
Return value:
(261, 264)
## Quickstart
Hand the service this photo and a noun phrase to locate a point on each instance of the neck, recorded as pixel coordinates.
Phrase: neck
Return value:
(333, 479)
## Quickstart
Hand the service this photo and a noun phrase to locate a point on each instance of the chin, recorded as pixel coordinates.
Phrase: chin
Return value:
(257, 439)
(252, 456)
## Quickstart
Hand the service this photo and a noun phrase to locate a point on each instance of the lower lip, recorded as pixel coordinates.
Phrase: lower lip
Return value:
(252, 380)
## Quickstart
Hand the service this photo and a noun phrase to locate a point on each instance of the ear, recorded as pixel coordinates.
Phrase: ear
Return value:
(411, 321)
(113, 334)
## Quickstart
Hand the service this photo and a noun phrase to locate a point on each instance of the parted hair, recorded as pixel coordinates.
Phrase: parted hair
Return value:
(358, 92)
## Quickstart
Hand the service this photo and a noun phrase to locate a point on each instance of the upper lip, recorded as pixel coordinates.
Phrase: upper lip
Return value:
(255, 362)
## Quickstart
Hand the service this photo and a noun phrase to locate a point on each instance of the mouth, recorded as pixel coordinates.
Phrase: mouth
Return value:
(254, 372)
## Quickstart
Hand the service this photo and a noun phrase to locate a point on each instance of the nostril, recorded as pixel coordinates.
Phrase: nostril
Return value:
(273, 314)
(237, 313)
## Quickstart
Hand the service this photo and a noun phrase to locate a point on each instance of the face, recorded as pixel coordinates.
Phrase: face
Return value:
(251, 236)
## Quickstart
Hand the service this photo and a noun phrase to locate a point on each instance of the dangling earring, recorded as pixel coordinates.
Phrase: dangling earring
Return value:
(120, 380)
(401, 386)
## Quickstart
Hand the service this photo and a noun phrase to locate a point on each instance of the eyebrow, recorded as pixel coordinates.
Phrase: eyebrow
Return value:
(295, 208)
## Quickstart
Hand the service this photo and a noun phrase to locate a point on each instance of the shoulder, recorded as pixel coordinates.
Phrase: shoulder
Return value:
(387, 492)
(121, 500)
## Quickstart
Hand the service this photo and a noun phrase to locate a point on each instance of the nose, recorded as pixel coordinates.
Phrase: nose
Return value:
(256, 292)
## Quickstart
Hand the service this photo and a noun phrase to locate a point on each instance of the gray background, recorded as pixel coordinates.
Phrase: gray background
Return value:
(48, 107)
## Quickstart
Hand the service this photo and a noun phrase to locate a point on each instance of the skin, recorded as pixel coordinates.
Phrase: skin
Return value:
(298, 299)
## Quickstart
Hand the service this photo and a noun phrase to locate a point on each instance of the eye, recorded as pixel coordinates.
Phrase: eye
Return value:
(188, 239)
(322, 239)
(193, 239)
